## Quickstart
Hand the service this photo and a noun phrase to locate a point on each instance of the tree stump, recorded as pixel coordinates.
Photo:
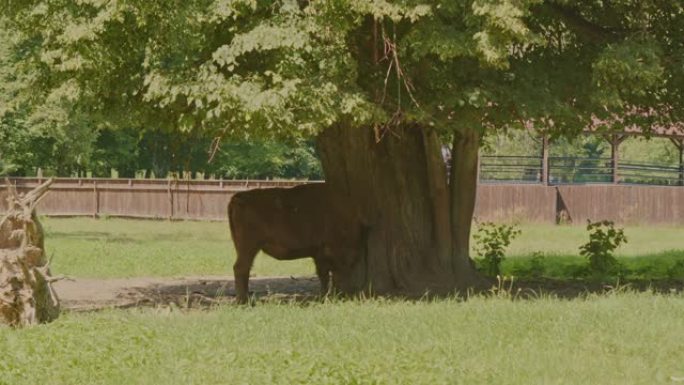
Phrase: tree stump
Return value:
(26, 293)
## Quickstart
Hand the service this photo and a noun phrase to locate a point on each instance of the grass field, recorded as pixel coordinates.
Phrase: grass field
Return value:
(108, 248)
(621, 337)
(615, 339)
(116, 248)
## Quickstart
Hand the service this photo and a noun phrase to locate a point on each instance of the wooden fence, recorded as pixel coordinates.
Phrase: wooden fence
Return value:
(207, 200)
(139, 198)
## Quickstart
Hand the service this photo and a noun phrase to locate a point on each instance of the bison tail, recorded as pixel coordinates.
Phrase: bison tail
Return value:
(232, 212)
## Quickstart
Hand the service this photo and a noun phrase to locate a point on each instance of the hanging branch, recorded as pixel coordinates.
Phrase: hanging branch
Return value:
(391, 55)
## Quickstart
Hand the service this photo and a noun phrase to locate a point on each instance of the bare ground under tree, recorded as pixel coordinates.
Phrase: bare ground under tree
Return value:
(204, 291)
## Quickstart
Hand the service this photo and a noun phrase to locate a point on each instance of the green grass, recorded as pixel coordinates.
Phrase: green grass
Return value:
(109, 248)
(622, 338)
(660, 266)
(617, 338)
(565, 240)
(117, 248)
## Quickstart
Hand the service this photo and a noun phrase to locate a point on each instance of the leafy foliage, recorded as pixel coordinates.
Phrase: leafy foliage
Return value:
(492, 241)
(288, 68)
(603, 240)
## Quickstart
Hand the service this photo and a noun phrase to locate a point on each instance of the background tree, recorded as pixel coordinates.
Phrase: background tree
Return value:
(383, 82)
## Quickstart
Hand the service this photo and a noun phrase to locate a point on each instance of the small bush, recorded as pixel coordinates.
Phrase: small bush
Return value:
(676, 270)
(531, 267)
(603, 240)
(536, 267)
(492, 241)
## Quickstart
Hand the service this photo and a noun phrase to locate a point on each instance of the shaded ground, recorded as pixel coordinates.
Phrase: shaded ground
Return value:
(93, 294)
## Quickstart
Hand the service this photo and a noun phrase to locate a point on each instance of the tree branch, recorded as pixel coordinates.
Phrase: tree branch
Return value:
(577, 23)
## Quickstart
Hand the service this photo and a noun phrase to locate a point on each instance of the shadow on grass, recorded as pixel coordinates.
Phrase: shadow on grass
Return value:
(530, 288)
(86, 294)
(534, 277)
(207, 293)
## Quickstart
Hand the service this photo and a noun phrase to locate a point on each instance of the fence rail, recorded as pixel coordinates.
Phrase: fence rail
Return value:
(574, 170)
(208, 200)
(140, 198)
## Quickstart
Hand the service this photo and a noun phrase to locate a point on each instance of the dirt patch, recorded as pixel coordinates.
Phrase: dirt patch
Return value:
(92, 294)
(201, 292)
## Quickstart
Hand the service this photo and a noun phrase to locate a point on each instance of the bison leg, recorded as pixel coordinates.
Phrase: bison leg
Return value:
(241, 269)
(323, 272)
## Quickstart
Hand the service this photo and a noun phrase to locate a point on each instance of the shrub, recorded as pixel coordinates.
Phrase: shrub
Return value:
(532, 267)
(536, 267)
(603, 240)
(492, 241)
(676, 270)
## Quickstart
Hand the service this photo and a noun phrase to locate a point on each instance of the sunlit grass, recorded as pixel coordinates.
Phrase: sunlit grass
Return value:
(618, 338)
(107, 248)
(615, 339)
(566, 239)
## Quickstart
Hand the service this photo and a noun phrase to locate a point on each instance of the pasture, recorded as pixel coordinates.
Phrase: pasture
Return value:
(485, 340)
(117, 248)
(619, 338)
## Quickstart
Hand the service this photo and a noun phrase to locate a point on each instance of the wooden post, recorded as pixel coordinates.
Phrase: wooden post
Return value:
(615, 159)
(545, 160)
(170, 194)
(615, 141)
(679, 143)
(681, 162)
(96, 200)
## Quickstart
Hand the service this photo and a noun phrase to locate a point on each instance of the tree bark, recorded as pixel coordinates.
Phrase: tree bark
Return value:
(463, 186)
(399, 183)
(26, 293)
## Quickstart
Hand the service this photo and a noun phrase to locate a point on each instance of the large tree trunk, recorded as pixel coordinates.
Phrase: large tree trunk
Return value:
(463, 185)
(26, 293)
(400, 185)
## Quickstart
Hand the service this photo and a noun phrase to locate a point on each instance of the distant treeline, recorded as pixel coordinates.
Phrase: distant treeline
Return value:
(137, 153)
(130, 153)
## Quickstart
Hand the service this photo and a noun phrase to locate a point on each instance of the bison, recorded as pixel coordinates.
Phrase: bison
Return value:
(308, 220)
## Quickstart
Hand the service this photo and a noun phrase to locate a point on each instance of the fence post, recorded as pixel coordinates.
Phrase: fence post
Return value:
(96, 200)
(170, 194)
(681, 162)
(545, 160)
(679, 143)
(615, 141)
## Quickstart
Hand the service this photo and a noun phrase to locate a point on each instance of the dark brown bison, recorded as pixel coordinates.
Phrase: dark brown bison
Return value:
(290, 223)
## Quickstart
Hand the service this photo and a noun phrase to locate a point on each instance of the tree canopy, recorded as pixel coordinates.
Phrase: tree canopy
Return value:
(381, 84)
(268, 68)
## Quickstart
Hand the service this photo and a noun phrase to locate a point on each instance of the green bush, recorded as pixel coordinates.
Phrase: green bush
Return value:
(532, 267)
(676, 270)
(604, 238)
(492, 241)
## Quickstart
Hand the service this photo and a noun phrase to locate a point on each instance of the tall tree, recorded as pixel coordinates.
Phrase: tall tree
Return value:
(381, 83)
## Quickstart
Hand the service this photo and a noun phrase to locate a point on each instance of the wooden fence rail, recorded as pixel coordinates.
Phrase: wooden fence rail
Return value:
(139, 198)
(208, 200)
